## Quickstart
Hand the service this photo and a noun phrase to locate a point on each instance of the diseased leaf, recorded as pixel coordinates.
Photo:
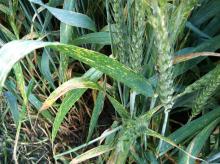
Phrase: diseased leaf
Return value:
(182, 58)
(100, 138)
(109, 66)
(75, 83)
(67, 33)
(96, 38)
(92, 153)
(210, 45)
(70, 100)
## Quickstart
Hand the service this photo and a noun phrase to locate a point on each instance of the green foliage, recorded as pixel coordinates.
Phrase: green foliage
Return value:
(151, 98)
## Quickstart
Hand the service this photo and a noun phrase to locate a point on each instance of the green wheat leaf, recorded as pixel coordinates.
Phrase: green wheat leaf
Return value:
(69, 17)
(9, 55)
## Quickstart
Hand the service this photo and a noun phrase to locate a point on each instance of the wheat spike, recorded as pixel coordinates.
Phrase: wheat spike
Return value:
(159, 22)
(206, 93)
(136, 55)
(119, 36)
(200, 83)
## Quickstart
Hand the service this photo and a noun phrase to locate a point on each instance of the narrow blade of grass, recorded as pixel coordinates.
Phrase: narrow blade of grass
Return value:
(13, 106)
(67, 32)
(167, 140)
(99, 103)
(119, 108)
(190, 129)
(70, 17)
(45, 68)
(95, 38)
(198, 142)
(92, 153)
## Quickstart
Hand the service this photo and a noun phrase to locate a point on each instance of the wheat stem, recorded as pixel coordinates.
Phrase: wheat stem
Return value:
(132, 103)
(164, 127)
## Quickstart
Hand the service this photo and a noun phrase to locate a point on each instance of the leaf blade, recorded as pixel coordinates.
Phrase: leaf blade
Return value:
(92, 153)
(74, 83)
(197, 143)
(71, 99)
(94, 59)
(99, 103)
(70, 17)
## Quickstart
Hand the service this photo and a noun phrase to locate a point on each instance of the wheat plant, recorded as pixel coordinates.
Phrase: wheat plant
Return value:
(129, 81)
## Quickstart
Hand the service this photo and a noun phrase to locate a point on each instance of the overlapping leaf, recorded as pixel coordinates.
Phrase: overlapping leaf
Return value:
(9, 55)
